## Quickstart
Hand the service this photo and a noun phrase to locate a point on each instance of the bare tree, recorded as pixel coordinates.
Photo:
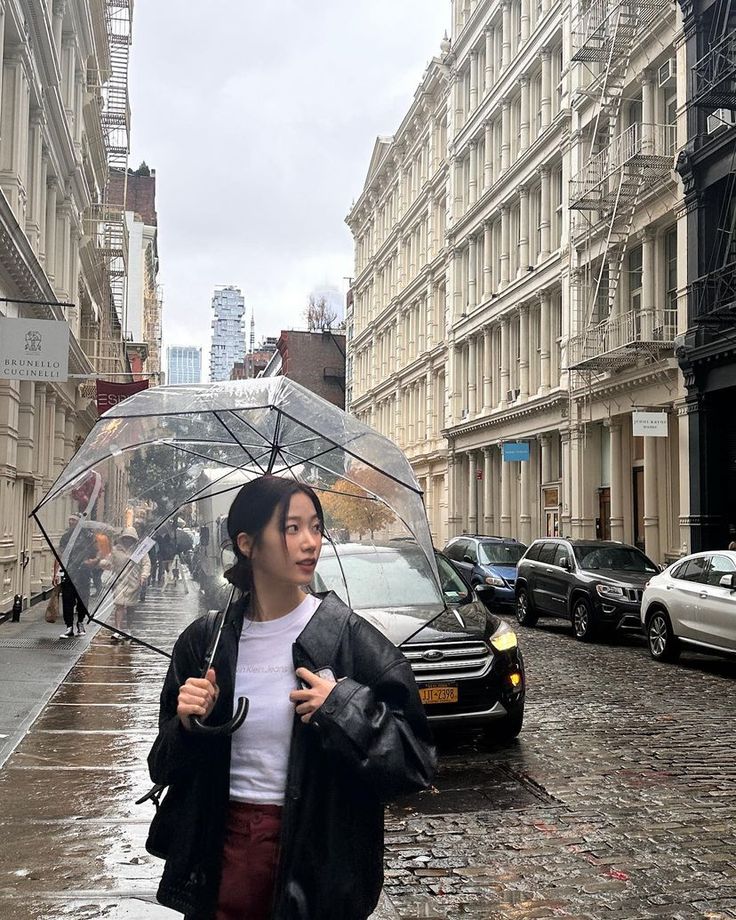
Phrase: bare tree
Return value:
(319, 315)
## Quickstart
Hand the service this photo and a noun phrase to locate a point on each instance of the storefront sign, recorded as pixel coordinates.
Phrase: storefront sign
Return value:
(110, 394)
(34, 349)
(649, 424)
(513, 451)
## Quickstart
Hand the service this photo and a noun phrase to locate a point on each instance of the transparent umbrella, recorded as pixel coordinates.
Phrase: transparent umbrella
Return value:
(175, 456)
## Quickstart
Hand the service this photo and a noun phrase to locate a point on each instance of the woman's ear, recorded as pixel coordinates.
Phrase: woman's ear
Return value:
(244, 544)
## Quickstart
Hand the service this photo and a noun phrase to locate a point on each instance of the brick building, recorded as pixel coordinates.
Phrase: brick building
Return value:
(316, 360)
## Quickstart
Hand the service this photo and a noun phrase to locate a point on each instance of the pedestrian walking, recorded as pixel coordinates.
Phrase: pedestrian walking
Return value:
(79, 550)
(283, 819)
(126, 590)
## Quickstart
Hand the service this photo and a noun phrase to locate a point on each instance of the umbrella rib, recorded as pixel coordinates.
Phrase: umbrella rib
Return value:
(237, 439)
(275, 445)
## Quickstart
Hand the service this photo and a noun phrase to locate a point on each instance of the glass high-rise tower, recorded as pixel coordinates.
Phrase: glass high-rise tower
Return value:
(228, 332)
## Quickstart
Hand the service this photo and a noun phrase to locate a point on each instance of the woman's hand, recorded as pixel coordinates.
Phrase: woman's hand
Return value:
(197, 697)
(308, 701)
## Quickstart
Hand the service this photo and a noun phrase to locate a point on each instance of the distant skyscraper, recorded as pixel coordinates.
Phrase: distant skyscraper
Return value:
(228, 334)
(184, 364)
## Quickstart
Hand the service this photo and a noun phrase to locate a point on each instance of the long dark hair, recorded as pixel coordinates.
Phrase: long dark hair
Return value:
(250, 512)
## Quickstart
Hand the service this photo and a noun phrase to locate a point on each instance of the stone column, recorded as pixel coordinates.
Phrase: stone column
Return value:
(546, 96)
(651, 504)
(525, 517)
(524, 111)
(505, 363)
(453, 514)
(431, 252)
(544, 349)
(566, 516)
(545, 216)
(505, 34)
(472, 272)
(473, 80)
(488, 34)
(472, 493)
(488, 510)
(523, 231)
(647, 283)
(431, 431)
(505, 134)
(647, 112)
(505, 246)
(59, 8)
(488, 155)
(453, 377)
(456, 293)
(487, 251)
(487, 370)
(35, 173)
(506, 474)
(51, 259)
(473, 179)
(524, 353)
(472, 377)
(524, 21)
(617, 496)
(545, 457)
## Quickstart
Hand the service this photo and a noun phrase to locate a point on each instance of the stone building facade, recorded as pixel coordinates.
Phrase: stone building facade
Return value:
(54, 62)
(560, 266)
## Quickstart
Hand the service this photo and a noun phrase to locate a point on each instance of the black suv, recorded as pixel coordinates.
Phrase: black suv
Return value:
(489, 564)
(592, 583)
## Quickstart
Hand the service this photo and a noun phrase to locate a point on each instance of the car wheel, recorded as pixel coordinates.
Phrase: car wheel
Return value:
(505, 729)
(525, 613)
(583, 626)
(663, 643)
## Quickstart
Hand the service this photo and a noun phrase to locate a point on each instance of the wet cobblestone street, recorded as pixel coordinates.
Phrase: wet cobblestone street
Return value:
(616, 803)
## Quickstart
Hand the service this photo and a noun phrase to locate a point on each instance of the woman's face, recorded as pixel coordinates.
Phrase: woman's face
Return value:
(295, 561)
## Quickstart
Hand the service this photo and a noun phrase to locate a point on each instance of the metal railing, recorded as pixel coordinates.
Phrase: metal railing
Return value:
(616, 340)
(714, 294)
(714, 75)
(651, 147)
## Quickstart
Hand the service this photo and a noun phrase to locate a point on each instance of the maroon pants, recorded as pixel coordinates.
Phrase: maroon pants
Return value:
(249, 862)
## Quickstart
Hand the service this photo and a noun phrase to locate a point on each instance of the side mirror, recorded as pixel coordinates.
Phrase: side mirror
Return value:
(467, 558)
(565, 563)
(728, 581)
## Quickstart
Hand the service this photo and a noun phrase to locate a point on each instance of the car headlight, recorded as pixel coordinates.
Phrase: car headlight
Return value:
(504, 638)
(495, 581)
(610, 591)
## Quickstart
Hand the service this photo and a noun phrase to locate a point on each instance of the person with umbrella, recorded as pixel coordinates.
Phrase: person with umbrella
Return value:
(282, 819)
(79, 555)
(133, 575)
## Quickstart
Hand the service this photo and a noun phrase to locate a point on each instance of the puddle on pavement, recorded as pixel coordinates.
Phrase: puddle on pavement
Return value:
(40, 748)
(134, 692)
(98, 718)
(461, 788)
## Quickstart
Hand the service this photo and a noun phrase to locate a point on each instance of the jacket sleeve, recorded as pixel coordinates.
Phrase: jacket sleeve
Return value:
(176, 752)
(380, 729)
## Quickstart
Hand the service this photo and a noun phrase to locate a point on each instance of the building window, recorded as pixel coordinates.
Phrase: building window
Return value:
(670, 275)
(635, 279)
(556, 192)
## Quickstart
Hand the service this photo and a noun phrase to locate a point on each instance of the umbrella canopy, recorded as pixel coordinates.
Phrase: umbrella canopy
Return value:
(177, 455)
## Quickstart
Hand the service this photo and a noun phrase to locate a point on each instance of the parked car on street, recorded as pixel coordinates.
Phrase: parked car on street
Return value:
(466, 660)
(489, 564)
(593, 583)
(692, 602)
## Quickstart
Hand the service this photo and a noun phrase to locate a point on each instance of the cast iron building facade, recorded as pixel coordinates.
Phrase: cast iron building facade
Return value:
(707, 353)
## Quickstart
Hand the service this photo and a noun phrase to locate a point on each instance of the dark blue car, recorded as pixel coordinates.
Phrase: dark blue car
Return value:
(489, 564)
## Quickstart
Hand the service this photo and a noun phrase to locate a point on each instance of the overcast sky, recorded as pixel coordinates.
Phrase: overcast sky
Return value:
(259, 119)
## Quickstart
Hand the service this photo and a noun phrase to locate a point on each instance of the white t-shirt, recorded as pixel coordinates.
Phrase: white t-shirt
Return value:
(265, 674)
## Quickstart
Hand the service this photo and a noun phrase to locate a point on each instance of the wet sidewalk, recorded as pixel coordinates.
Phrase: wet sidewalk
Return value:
(73, 839)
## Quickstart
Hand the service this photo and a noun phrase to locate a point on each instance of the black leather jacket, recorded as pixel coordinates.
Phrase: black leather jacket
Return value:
(368, 743)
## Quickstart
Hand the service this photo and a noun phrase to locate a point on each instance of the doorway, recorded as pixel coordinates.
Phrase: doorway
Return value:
(603, 521)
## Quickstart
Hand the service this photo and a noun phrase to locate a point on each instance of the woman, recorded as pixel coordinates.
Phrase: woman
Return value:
(127, 589)
(283, 820)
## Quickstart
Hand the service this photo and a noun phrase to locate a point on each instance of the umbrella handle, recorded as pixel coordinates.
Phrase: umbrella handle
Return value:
(241, 711)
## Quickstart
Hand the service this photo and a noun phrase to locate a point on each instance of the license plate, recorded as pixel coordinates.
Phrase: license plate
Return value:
(438, 695)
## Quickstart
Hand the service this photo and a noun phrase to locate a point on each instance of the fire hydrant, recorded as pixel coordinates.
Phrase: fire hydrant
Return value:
(17, 607)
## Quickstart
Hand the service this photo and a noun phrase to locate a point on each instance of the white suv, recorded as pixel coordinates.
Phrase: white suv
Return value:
(692, 601)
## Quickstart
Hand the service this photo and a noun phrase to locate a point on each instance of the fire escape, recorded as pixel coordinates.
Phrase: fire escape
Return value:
(116, 132)
(713, 295)
(624, 165)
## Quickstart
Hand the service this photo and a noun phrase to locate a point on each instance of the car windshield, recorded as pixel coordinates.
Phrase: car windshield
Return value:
(401, 579)
(615, 558)
(501, 553)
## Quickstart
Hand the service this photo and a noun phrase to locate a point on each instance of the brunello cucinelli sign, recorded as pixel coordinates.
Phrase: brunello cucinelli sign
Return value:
(34, 349)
